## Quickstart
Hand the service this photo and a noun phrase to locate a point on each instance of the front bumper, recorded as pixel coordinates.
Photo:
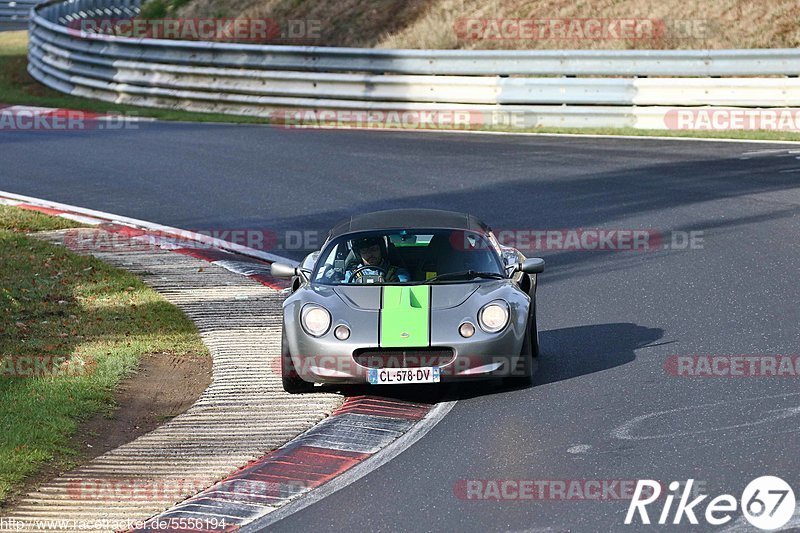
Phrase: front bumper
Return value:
(333, 362)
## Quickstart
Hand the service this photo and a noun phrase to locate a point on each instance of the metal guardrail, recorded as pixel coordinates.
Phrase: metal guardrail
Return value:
(16, 10)
(260, 79)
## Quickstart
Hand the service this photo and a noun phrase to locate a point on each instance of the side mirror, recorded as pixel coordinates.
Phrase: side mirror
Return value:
(533, 265)
(282, 270)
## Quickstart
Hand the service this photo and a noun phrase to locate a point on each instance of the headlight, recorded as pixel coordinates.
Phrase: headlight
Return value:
(493, 317)
(315, 320)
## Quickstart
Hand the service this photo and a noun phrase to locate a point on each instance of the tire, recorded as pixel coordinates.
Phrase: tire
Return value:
(534, 333)
(530, 349)
(292, 382)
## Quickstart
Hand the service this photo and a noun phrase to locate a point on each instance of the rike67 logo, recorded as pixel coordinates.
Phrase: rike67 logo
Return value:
(767, 503)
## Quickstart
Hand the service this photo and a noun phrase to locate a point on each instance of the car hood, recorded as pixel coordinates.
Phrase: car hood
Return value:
(444, 296)
(408, 316)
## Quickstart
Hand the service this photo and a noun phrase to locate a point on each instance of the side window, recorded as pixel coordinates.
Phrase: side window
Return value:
(327, 265)
(332, 269)
(310, 260)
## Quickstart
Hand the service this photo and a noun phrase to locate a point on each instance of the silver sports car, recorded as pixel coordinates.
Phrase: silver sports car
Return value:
(409, 296)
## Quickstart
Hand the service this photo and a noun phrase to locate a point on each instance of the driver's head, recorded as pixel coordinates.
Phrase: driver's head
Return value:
(370, 249)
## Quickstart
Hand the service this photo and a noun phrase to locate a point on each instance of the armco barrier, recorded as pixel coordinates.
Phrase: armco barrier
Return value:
(15, 10)
(249, 79)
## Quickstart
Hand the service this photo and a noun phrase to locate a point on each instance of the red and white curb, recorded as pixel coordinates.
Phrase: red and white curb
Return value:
(231, 256)
(362, 434)
(356, 432)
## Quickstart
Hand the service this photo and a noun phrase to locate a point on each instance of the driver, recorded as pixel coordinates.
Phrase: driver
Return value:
(371, 251)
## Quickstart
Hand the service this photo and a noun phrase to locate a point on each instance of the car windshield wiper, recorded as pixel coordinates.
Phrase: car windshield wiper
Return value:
(467, 274)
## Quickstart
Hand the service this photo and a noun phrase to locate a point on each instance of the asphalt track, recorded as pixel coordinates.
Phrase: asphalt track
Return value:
(603, 407)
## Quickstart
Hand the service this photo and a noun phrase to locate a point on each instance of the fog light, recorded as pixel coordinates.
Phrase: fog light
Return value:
(467, 330)
(342, 333)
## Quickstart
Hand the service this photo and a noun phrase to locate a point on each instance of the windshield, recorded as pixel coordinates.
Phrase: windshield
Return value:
(408, 257)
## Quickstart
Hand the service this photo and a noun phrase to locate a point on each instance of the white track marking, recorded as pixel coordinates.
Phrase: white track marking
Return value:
(82, 219)
(763, 152)
(623, 432)
(579, 448)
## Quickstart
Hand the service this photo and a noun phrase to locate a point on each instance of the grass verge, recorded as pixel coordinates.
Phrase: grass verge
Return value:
(71, 327)
(18, 87)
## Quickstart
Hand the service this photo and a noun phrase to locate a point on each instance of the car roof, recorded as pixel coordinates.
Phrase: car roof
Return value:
(409, 219)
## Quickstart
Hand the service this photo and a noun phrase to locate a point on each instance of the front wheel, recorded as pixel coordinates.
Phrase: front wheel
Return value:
(534, 333)
(292, 382)
(523, 373)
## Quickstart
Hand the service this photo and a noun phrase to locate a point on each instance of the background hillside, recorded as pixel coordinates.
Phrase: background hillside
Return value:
(688, 24)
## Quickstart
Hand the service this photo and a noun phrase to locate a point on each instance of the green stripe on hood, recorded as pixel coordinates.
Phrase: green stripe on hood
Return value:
(405, 316)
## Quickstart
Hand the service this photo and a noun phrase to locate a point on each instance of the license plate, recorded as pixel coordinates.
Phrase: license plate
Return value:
(402, 376)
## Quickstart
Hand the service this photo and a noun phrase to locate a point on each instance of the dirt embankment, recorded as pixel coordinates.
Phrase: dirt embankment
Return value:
(514, 24)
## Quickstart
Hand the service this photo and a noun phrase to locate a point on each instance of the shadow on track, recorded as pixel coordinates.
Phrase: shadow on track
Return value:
(571, 352)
